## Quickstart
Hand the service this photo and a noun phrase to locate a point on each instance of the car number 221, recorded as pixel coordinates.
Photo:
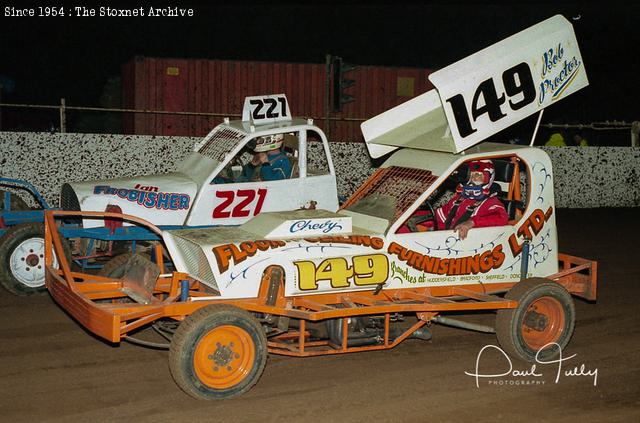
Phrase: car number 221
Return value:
(268, 108)
(240, 203)
(518, 86)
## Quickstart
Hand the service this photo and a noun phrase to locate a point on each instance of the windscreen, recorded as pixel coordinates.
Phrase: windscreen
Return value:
(389, 192)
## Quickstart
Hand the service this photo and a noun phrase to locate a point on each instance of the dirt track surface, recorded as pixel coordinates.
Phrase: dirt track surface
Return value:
(52, 370)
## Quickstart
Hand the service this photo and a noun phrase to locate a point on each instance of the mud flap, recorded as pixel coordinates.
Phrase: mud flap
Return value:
(140, 276)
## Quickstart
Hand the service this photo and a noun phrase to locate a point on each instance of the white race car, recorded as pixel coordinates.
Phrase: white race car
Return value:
(215, 185)
(209, 187)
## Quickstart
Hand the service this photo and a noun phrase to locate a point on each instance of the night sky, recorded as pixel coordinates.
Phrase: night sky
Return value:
(72, 57)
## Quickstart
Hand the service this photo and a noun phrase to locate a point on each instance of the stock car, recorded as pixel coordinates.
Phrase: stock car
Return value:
(367, 277)
(203, 191)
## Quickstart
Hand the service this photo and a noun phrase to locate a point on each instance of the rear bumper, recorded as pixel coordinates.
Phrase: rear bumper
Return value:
(579, 276)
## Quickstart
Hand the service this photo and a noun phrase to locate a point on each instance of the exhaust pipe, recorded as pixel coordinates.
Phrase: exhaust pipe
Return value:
(463, 325)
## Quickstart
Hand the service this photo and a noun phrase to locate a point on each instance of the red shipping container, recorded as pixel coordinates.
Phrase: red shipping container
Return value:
(220, 86)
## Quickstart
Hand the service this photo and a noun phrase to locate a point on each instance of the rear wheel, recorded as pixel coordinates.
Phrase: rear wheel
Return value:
(218, 352)
(544, 318)
(22, 258)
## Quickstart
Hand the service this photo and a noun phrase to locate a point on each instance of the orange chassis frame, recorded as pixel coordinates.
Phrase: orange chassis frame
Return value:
(76, 293)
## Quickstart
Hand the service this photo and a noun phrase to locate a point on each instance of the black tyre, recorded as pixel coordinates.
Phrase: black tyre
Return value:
(218, 352)
(22, 259)
(545, 315)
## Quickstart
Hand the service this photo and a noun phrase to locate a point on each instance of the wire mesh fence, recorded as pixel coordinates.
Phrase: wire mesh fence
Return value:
(83, 119)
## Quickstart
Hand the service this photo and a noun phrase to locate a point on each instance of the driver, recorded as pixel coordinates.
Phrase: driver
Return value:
(269, 163)
(269, 160)
(473, 205)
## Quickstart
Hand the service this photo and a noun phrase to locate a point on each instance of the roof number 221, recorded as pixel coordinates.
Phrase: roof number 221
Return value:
(517, 81)
(265, 108)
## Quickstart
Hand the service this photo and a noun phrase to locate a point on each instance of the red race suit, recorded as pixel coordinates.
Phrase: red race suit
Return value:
(486, 212)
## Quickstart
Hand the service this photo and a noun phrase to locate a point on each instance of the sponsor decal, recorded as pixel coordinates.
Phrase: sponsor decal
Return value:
(148, 197)
(306, 225)
(531, 227)
(366, 241)
(403, 274)
(557, 74)
(227, 253)
(146, 188)
(478, 263)
(239, 253)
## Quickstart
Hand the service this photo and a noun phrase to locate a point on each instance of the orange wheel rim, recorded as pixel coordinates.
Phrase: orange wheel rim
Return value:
(224, 357)
(543, 322)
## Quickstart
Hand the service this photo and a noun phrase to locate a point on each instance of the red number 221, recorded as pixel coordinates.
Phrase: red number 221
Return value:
(245, 196)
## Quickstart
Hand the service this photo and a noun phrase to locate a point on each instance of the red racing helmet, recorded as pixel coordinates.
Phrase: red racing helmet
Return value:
(487, 169)
(478, 190)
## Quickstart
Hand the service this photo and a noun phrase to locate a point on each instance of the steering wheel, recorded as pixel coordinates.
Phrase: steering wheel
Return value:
(414, 221)
(236, 161)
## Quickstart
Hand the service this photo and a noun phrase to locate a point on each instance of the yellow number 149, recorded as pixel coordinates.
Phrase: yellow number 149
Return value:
(366, 270)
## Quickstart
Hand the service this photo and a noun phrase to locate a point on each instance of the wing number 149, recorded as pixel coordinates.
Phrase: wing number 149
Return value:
(518, 86)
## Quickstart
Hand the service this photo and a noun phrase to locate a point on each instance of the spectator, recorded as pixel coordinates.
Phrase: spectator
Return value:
(556, 140)
(579, 141)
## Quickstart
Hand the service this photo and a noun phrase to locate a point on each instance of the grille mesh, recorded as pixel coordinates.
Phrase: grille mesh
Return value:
(403, 184)
(220, 144)
(196, 262)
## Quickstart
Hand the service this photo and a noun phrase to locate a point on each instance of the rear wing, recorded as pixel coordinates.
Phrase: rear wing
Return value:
(485, 93)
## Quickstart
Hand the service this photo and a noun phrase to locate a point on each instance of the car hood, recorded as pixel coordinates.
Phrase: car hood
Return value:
(163, 199)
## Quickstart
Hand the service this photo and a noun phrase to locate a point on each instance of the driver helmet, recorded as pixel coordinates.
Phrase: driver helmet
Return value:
(268, 143)
(481, 176)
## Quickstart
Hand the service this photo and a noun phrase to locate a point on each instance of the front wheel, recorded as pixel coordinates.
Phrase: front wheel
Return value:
(218, 352)
(541, 325)
(22, 258)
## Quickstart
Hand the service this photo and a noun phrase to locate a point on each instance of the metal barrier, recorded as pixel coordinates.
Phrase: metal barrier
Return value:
(63, 108)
